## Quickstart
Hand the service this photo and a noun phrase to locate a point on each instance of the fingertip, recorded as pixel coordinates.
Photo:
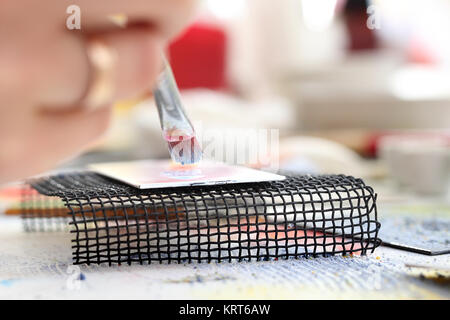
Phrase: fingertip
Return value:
(139, 61)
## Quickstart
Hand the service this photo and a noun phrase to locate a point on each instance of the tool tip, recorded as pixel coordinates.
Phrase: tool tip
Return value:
(186, 151)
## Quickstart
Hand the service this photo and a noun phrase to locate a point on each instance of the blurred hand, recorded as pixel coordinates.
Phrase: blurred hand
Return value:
(45, 73)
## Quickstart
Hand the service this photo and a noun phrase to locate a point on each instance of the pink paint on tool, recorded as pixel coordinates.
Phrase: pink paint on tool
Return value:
(177, 128)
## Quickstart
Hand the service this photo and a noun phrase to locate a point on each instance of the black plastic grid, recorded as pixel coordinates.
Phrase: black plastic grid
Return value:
(300, 216)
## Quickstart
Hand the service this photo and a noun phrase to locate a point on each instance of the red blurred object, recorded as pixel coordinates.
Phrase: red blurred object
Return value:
(355, 17)
(418, 52)
(198, 57)
(373, 142)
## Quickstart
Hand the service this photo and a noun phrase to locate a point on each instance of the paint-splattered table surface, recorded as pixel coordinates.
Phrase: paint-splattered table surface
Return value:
(38, 265)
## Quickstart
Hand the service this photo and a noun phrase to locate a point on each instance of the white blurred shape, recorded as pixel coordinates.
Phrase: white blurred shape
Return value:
(226, 9)
(420, 163)
(420, 83)
(317, 155)
(318, 15)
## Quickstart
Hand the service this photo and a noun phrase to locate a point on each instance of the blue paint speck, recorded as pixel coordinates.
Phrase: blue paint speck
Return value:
(6, 283)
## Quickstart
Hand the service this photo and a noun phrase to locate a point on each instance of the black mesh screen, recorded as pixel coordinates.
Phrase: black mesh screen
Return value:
(301, 216)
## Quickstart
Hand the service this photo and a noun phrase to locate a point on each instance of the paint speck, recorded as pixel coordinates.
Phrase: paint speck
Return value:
(82, 276)
(6, 283)
(378, 258)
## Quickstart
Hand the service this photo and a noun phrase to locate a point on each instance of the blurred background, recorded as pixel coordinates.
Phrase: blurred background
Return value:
(355, 87)
(351, 87)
